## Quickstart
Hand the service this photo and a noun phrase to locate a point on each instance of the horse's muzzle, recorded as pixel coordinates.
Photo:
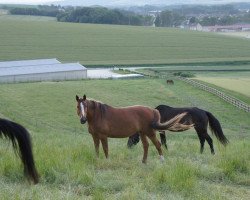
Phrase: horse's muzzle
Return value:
(83, 120)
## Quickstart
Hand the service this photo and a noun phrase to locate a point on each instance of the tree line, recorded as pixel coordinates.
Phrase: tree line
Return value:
(41, 10)
(170, 17)
(101, 15)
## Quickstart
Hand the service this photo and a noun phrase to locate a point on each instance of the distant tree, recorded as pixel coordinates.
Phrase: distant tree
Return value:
(193, 20)
(169, 19)
(209, 21)
(166, 18)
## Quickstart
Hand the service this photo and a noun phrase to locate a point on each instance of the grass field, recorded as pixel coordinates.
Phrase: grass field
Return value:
(240, 85)
(223, 78)
(114, 45)
(66, 161)
(243, 34)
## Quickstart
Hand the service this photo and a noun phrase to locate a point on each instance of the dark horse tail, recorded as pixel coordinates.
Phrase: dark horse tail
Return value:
(216, 129)
(20, 137)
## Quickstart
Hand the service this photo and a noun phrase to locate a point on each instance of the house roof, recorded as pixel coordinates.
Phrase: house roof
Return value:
(20, 63)
(40, 69)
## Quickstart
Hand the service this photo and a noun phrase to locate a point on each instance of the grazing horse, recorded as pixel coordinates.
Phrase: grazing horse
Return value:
(170, 82)
(105, 121)
(20, 137)
(200, 118)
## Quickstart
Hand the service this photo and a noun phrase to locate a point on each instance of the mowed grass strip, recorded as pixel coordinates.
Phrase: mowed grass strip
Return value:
(64, 151)
(94, 44)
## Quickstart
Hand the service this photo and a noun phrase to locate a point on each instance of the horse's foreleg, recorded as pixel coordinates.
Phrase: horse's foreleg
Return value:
(157, 144)
(145, 147)
(104, 141)
(96, 143)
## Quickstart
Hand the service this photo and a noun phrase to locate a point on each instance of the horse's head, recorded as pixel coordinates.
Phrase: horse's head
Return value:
(81, 108)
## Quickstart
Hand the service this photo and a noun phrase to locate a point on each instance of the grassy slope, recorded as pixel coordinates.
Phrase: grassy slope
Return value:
(65, 156)
(107, 45)
(234, 83)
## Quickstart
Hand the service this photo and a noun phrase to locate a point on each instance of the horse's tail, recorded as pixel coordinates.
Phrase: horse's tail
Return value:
(216, 129)
(20, 137)
(172, 124)
(163, 139)
(133, 140)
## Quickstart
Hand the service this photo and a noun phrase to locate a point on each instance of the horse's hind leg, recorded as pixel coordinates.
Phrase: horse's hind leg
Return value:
(104, 141)
(157, 144)
(202, 141)
(145, 147)
(210, 142)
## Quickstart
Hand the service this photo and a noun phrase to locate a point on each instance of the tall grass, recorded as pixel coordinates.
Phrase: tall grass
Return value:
(65, 157)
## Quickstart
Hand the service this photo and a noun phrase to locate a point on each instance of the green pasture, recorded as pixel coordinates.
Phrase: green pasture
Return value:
(223, 78)
(100, 45)
(64, 151)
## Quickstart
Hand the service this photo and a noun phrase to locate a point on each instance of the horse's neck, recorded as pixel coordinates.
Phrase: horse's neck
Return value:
(97, 110)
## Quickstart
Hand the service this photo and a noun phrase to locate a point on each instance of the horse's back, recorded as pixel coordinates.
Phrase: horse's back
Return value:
(194, 114)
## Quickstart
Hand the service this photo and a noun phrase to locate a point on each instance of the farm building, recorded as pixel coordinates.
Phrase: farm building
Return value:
(40, 70)
(20, 63)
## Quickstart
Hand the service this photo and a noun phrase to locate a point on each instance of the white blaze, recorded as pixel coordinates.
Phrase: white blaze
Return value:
(82, 109)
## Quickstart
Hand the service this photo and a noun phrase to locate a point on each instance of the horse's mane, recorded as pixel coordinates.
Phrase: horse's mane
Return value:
(99, 107)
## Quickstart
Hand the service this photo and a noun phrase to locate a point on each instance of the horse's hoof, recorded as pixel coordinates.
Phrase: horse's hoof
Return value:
(144, 161)
(162, 158)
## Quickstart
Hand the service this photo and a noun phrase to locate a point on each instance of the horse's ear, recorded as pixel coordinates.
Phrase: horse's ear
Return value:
(77, 98)
(84, 97)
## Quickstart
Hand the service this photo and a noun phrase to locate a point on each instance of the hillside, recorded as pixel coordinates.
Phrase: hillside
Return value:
(115, 45)
(65, 157)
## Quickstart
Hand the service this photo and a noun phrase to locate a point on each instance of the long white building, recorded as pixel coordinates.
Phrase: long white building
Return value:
(40, 70)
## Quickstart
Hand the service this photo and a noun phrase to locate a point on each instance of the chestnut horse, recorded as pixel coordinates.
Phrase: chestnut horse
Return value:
(20, 137)
(105, 121)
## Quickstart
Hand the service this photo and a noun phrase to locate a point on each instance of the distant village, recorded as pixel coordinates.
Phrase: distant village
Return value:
(216, 28)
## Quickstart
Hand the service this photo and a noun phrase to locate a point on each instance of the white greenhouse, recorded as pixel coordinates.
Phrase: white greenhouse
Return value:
(40, 70)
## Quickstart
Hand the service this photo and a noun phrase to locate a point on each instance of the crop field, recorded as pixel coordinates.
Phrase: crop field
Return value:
(234, 83)
(100, 45)
(65, 157)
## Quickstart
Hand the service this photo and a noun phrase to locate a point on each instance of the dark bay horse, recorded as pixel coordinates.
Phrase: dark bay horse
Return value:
(200, 118)
(170, 82)
(105, 121)
(20, 138)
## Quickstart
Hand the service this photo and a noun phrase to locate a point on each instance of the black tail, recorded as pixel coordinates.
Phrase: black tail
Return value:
(20, 137)
(133, 140)
(216, 129)
(163, 139)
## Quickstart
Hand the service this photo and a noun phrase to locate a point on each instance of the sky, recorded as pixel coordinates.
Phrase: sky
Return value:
(166, 1)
